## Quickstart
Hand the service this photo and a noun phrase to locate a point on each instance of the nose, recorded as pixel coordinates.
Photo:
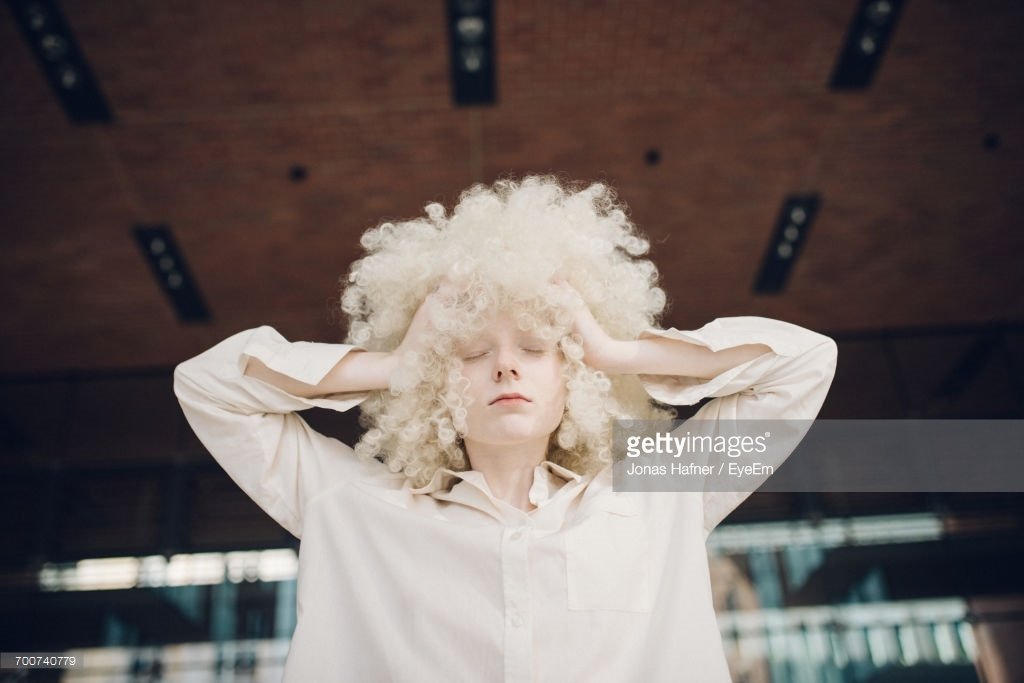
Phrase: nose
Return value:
(505, 365)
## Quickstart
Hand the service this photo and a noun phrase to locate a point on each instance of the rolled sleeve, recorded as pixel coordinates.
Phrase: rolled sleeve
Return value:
(788, 383)
(308, 362)
(785, 340)
(251, 427)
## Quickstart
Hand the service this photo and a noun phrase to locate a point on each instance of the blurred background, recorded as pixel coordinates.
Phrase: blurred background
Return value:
(176, 172)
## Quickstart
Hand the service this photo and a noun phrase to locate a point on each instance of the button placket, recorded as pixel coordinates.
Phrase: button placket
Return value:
(516, 584)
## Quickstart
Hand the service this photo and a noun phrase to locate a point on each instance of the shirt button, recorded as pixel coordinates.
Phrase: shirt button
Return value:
(517, 620)
(516, 535)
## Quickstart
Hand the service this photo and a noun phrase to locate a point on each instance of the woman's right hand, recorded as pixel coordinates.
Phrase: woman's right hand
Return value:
(422, 330)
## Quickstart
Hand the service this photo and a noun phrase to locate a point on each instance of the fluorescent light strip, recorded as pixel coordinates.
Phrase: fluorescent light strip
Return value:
(907, 632)
(829, 533)
(119, 573)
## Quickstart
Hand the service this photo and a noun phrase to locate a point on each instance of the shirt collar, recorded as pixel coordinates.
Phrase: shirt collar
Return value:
(548, 477)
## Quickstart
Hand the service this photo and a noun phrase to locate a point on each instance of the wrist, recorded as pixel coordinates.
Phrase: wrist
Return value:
(616, 357)
(359, 370)
(389, 363)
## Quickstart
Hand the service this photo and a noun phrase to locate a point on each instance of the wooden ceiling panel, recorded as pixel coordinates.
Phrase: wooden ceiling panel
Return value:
(215, 103)
(610, 50)
(187, 57)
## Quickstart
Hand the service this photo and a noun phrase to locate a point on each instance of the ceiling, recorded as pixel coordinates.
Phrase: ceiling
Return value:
(919, 175)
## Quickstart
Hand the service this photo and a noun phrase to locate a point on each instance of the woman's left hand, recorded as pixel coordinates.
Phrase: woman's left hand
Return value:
(600, 350)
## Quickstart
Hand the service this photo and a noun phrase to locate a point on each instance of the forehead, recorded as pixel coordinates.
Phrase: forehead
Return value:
(505, 318)
(504, 322)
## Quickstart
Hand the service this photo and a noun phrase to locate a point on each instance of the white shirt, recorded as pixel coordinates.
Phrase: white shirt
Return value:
(446, 582)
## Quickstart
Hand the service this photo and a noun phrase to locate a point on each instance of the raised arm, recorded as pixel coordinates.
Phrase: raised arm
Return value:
(788, 383)
(755, 369)
(241, 398)
(656, 355)
(356, 371)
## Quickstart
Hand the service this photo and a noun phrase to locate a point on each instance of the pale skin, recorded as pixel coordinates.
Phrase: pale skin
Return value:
(506, 439)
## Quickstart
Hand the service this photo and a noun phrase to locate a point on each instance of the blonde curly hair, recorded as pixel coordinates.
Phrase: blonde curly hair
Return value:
(505, 245)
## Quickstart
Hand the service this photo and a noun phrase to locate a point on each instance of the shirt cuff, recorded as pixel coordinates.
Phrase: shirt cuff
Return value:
(784, 339)
(307, 362)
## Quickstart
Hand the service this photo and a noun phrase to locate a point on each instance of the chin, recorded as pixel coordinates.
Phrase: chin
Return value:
(509, 437)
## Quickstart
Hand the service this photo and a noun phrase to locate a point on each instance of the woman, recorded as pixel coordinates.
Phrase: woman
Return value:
(473, 533)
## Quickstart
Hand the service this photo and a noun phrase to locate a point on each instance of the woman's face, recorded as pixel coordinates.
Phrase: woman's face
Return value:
(515, 382)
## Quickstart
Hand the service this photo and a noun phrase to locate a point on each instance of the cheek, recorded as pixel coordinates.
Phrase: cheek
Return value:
(468, 388)
(474, 384)
(559, 395)
(560, 383)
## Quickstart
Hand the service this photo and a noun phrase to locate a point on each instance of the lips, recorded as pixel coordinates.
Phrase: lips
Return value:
(509, 396)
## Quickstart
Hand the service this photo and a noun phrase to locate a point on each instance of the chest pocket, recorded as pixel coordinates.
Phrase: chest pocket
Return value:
(607, 559)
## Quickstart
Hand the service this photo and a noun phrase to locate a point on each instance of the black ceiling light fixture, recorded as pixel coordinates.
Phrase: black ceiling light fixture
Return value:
(791, 228)
(55, 49)
(172, 274)
(471, 37)
(866, 40)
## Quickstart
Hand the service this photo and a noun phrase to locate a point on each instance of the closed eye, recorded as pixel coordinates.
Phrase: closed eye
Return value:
(531, 345)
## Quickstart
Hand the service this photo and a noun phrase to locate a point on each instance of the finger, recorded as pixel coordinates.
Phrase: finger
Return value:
(571, 294)
(456, 286)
